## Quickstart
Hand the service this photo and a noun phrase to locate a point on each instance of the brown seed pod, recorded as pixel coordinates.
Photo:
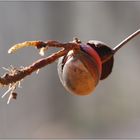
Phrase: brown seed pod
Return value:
(80, 71)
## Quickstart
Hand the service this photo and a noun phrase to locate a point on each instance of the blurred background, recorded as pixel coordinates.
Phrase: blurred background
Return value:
(44, 109)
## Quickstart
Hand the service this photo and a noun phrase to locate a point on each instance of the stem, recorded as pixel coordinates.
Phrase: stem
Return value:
(19, 74)
(45, 61)
(120, 45)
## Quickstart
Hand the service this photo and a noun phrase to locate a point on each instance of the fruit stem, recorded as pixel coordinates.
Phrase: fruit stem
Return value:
(120, 45)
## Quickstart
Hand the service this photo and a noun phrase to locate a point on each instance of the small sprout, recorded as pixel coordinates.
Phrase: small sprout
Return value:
(42, 51)
(37, 71)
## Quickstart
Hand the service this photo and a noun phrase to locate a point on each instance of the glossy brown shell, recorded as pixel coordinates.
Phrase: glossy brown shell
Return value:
(79, 73)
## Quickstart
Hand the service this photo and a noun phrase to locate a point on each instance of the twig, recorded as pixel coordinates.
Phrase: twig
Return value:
(14, 76)
(120, 45)
(19, 74)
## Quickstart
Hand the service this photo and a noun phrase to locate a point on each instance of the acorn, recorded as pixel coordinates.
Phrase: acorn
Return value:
(80, 71)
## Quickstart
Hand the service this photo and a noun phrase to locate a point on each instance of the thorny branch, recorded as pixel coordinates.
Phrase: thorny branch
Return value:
(14, 76)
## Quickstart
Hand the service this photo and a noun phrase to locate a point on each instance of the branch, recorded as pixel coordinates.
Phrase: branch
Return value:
(14, 76)
(130, 37)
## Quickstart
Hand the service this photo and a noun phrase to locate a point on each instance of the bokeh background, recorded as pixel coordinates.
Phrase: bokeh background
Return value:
(44, 109)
